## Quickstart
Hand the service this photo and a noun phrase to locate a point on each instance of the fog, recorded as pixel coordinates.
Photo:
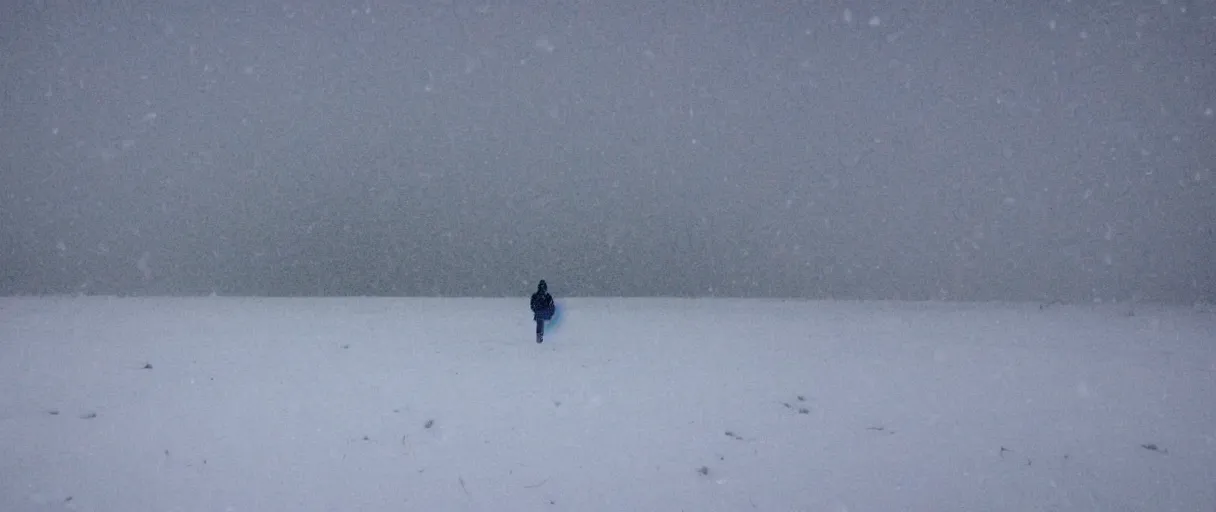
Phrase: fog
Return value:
(852, 150)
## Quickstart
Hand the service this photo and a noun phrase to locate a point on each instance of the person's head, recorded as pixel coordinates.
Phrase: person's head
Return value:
(543, 286)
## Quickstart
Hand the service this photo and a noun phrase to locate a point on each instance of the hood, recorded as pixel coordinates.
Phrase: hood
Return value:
(543, 286)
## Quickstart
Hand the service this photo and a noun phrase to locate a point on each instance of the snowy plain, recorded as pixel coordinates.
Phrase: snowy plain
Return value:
(370, 404)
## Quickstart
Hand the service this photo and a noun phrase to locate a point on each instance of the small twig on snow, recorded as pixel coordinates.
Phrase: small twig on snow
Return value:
(1154, 448)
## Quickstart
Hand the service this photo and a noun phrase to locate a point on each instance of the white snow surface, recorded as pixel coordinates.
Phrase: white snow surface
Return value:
(370, 404)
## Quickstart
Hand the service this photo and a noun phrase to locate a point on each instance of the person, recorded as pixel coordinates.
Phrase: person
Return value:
(542, 309)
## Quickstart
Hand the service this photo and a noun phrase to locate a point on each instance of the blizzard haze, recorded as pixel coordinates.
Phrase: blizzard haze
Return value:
(934, 150)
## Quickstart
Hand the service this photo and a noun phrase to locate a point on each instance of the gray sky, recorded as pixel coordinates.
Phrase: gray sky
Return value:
(912, 150)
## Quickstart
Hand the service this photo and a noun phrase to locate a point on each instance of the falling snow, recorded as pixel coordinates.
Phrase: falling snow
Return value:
(412, 144)
(543, 44)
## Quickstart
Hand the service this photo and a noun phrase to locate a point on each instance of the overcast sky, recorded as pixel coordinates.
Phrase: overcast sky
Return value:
(967, 150)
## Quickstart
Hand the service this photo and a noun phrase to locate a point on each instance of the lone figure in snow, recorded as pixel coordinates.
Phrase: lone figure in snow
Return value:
(542, 309)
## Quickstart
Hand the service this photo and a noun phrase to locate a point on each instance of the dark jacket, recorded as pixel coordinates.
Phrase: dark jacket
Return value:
(542, 303)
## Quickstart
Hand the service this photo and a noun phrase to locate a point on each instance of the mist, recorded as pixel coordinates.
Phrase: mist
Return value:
(846, 150)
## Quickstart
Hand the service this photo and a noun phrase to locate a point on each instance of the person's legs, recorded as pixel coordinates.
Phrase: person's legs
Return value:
(540, 330)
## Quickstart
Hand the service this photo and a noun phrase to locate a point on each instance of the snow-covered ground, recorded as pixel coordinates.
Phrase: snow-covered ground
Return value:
(216, 404)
